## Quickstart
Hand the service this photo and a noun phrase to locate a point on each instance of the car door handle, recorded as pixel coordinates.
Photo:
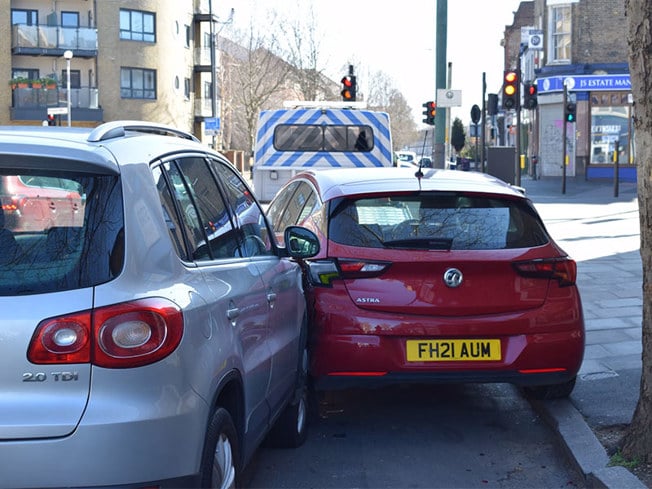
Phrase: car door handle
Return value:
(271, 296)
(232, 313)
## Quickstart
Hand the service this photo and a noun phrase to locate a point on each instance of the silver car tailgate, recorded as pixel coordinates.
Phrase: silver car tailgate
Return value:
(39, 401)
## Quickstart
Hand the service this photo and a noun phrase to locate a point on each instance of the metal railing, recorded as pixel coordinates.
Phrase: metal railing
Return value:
(53, 37)
(85, 97)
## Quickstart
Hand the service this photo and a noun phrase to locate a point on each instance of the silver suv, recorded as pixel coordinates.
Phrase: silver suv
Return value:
(158, 336)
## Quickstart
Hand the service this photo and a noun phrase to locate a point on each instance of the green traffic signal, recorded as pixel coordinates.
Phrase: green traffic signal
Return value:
(569, 112)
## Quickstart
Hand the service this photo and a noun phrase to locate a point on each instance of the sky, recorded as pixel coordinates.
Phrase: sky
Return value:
(399, 39)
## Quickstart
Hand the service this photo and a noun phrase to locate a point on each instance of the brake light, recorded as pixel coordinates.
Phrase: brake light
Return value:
(564, 270)
(125, 335)
(323, 272)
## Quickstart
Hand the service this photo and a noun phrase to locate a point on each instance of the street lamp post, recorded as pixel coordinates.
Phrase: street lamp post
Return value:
(68, 55)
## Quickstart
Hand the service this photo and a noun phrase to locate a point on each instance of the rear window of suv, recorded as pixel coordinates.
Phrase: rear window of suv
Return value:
(58, 231)
(447, 221)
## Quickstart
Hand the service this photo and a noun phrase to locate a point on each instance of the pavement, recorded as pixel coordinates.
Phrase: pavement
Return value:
(597, 223)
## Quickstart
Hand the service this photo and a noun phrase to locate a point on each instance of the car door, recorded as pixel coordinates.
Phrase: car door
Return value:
(237, 297)
(282, 282)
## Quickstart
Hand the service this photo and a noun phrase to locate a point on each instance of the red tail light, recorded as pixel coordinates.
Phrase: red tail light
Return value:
(323, 272)
(564, 270)
(124, 335)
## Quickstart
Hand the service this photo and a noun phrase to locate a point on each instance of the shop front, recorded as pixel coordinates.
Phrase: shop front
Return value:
(602, 136)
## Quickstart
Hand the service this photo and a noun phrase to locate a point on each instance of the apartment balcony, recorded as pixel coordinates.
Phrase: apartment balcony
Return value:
(204, 108)
(47, 40)
(31, 104)
(202, 57)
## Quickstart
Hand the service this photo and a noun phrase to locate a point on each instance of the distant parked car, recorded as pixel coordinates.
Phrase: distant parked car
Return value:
(451, 277)
(37, 203)
(153, 333)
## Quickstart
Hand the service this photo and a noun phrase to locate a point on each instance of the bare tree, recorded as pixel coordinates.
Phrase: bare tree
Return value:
(302, 42)
(385, 97)
(257, 79)
(638, 440)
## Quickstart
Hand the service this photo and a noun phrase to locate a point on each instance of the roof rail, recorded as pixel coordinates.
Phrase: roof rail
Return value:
(323, 104)
(116, 129)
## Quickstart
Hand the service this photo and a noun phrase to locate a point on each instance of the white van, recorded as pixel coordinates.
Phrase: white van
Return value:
(324, 135)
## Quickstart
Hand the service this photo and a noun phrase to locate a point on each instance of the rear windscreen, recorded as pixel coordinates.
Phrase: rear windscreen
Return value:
(436, 221)
(58, 231)
(306, 137)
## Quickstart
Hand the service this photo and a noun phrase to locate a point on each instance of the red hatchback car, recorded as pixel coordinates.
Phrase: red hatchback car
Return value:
(446, 277)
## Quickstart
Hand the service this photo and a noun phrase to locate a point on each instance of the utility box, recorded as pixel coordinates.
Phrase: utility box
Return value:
(501, 163)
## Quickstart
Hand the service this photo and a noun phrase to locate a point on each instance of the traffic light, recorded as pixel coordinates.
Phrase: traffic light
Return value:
(569, 112)
(52, 121)
(511, 93)
(429, 112)
(349, 86)
(492, 103)
(530, 95)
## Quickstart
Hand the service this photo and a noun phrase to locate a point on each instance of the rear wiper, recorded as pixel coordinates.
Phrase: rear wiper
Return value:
(421, 243)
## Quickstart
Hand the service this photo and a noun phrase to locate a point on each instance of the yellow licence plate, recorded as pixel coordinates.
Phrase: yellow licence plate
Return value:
(452, 350)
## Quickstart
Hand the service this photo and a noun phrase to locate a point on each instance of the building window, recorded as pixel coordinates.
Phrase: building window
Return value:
(75, 78)
(560, 33)
(186, 88)
(136, 25)
(611, 128)
(137, 83)
(188, 35)
(25, 17)
(69, 19)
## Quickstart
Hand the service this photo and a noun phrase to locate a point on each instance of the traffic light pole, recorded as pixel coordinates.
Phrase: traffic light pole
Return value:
(483, 121)
(517, 162)
(563, 163)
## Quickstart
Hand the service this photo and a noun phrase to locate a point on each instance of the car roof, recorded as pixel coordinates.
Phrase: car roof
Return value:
(355, 181)
(103, 148)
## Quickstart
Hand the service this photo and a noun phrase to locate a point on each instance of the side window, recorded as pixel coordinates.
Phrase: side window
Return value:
(294, 207)
(256, 236)
(171, 218)
(220, 237)
(277, 210)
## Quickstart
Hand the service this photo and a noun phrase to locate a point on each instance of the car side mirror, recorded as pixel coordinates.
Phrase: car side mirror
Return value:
(300, 242)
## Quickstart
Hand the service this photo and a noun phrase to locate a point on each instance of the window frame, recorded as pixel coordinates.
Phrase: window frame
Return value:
(127, 91)
(131, 32)
(560, 41)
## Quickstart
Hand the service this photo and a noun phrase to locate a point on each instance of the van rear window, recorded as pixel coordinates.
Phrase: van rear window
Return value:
(323, 138)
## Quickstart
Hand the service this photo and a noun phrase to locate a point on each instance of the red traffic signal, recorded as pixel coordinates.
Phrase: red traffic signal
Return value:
(349, 86)
(52, 121)
(430, 112)
(511, 94)
(529, 95)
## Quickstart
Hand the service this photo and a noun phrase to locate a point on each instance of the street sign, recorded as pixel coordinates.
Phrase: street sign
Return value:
(212, 125)
(57, 110)
(449, 98)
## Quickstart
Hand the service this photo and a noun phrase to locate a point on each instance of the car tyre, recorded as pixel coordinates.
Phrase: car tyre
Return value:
(291, 428)
(554, 391)
(219, 468)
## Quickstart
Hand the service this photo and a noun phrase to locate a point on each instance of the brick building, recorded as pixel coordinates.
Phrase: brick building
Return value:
(580, 45)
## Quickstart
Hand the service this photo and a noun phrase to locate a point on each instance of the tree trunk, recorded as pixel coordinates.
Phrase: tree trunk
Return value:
(638, 440)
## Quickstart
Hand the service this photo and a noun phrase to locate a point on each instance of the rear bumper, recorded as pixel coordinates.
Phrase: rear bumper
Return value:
(153, 443)
(534, 358)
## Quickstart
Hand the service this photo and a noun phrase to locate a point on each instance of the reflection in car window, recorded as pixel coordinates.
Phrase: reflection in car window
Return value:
(447, 221)
(255, 232)
(53, 228)
(171, 219)
(212, 212)
(297, 202)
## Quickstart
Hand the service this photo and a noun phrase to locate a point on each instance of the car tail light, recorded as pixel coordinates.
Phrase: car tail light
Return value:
(125, 335)
(564, 270)
(323, 272)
